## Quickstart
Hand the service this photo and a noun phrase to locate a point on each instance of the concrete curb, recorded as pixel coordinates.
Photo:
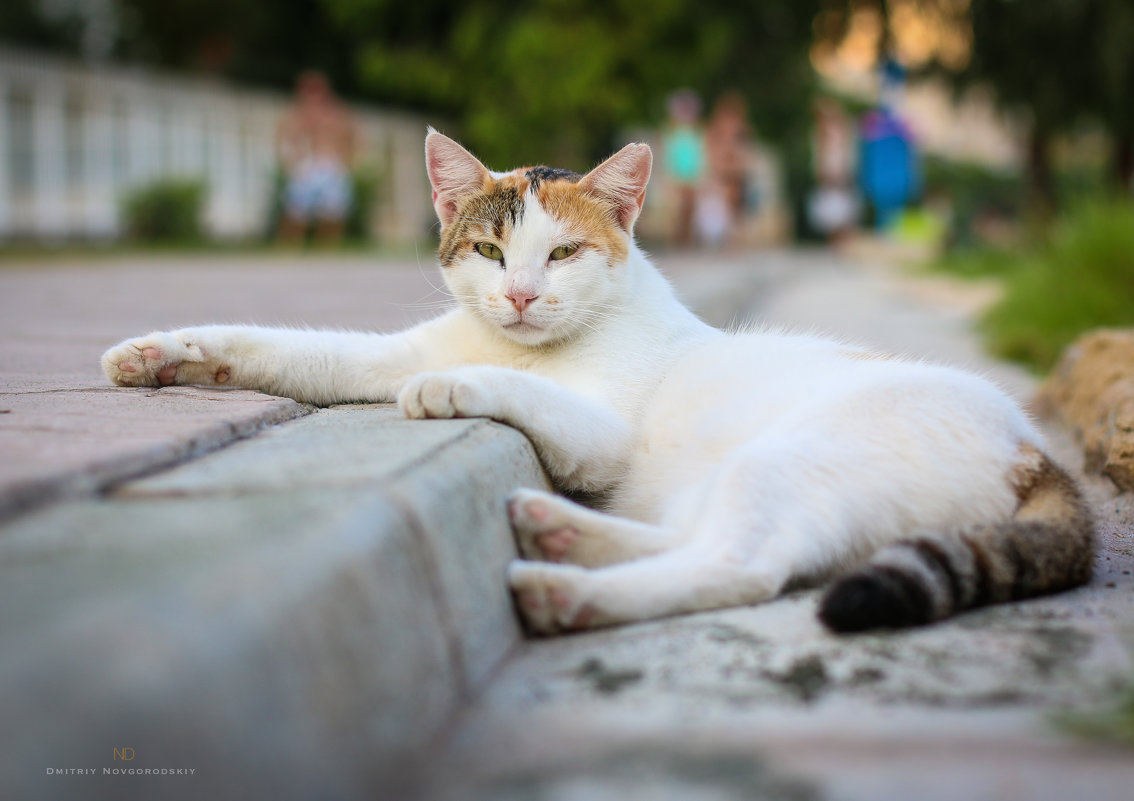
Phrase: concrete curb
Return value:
(293, 616)
(67, 443)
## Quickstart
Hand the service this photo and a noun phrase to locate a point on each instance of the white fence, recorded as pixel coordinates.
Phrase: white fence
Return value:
(75, 138)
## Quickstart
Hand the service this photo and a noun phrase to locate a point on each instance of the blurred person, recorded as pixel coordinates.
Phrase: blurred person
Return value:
(713, 217)
(316, 142)
(833, 208)
(889, 172)
(727, 145)
(684, 160)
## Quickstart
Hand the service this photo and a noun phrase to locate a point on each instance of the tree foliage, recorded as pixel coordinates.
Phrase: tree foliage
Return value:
(547, 80)
(255, 41)
(1033, 54)
(558, 79)
(1065, 61)
(263, 42)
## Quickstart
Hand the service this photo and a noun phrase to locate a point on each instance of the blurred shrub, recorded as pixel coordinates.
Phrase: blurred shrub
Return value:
(364, 192)
(1080, 182)
(988, 206)
(979, 262)
(165, 211)
(976, 194)
(1080, 277)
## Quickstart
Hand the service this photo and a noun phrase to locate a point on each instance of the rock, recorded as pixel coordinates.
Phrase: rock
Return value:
(1092, 390)
(1120, 457)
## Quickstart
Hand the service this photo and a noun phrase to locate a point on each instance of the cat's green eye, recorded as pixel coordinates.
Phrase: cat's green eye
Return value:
(489, 251)
(563, 251)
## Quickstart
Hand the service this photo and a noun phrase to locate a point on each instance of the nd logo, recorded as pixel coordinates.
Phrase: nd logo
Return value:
(125, 754)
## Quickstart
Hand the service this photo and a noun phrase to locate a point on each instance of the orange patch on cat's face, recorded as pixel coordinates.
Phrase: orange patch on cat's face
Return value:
(487, 214)
(585, 217)
(492, 213)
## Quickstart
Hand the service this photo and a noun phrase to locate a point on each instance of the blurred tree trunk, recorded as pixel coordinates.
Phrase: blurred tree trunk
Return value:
(1124, 161)
(1041, 187)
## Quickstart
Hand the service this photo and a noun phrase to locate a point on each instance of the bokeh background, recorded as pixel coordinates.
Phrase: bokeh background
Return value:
(982, 137)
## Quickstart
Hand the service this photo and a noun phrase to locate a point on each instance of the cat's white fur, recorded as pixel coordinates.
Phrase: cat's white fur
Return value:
(727, 464)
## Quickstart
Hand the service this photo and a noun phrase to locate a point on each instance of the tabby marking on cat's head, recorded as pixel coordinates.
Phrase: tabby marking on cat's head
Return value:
(536, 252)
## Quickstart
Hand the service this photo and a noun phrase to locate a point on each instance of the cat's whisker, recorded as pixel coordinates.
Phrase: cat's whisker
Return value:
(426, 306)
(425, 276)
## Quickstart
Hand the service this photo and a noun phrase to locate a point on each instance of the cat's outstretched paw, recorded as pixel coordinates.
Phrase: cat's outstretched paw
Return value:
(444, 395)
(551, 598)
(542, 525)
(149, 361)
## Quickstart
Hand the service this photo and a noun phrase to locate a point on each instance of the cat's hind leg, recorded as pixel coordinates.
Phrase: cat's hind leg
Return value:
(554, 598)
(550, 528)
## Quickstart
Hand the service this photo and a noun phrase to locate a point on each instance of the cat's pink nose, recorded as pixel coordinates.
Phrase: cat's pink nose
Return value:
(520, 298)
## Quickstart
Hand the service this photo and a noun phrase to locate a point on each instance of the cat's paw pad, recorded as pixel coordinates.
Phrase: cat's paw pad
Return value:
(542, 530)
(551, 598)
(148, 361)
(443, 395)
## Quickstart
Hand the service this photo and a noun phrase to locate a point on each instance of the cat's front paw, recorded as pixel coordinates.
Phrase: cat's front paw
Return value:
(444, 395)
(149, 361)
(551, 598)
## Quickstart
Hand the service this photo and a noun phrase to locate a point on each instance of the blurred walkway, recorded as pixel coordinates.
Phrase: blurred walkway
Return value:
(817, 290)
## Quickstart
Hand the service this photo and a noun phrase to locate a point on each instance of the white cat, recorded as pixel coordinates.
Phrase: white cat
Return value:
(727, 465)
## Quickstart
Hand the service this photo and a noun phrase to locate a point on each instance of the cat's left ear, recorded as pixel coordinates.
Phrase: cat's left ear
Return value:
(453, 172)
(621, 180)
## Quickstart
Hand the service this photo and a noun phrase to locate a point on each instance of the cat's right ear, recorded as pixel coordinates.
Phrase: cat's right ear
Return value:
(453, 172)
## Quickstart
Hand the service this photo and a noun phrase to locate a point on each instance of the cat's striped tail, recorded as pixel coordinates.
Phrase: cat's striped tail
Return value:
(1047, 546)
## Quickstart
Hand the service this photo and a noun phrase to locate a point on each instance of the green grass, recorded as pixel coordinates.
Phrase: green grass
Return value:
(974, 262)
(1116, 725)
(1080, 277)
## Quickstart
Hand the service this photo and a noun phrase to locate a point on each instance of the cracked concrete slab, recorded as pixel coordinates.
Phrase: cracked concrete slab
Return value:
(432, 471)
(65, 432)
(257, 641)
(70, 442)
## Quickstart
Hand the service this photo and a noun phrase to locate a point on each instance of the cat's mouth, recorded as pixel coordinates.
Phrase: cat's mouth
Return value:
(523, 325)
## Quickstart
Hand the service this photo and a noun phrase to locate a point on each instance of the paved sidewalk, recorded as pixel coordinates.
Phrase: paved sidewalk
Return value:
(299, 609)
(64, 431)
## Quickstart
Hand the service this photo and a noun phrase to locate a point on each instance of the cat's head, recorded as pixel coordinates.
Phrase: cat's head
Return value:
(538, 252)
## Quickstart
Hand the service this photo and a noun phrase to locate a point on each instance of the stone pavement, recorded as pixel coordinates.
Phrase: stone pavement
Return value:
(65, 432)
(316, 609)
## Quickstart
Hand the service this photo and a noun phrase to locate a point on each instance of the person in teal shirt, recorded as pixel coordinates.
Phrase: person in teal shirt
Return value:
(684, 159)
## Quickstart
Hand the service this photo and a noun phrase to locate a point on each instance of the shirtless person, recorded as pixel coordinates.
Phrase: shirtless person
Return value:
(316, 142)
